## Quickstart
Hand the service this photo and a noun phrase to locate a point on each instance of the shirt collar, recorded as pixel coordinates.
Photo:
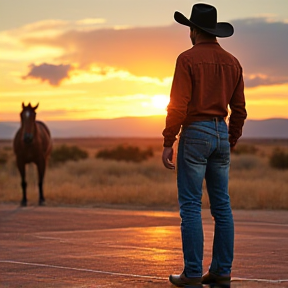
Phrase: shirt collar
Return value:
(207, 42)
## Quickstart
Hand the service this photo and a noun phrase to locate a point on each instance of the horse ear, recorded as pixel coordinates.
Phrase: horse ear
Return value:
(23, 105)
(36, 107)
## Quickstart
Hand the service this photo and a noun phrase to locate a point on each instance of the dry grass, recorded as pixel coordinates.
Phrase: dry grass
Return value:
(94, 182)
(259, 186)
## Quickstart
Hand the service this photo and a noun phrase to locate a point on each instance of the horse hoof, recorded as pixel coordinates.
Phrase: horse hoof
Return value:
(42, 202)
(23, 203)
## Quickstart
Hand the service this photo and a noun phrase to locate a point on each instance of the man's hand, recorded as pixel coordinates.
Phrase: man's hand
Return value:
(167, 156)
(232, 144)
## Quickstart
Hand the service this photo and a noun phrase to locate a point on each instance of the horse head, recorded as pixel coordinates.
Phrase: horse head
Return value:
(28, 116)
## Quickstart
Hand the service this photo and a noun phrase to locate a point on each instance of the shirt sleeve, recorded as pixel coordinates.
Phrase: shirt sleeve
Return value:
(180, 96)
(238, 112)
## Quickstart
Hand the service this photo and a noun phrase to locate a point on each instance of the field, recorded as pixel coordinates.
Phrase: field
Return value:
(96, 182)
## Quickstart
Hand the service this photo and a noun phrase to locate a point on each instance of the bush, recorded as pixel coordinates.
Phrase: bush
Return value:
(65, 153)
(279, 159)
(128, 153)
(245, 162)
(245, 149)
(3, 157)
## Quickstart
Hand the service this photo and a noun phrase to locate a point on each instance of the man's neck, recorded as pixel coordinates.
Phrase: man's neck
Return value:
(206, 40)
(202, 39)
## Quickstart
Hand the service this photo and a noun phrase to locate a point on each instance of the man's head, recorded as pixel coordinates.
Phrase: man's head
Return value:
(204, 18)
(197, 34)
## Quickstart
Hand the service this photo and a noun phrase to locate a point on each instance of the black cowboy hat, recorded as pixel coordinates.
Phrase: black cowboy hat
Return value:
(204, 17)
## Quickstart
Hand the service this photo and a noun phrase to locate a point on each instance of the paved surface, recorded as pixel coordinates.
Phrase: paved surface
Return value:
(83, 247)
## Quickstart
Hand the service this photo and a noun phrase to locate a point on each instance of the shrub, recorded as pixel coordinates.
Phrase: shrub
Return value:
(244, 149)
(279, 159)
(125, 153)
(3, 157)
(245, 162)
(65, 153)
(7, 148)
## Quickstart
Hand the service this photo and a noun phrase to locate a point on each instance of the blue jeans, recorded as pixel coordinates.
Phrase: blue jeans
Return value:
(204, 152)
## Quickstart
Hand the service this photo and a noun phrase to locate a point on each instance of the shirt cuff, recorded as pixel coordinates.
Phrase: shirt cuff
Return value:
(168, 143)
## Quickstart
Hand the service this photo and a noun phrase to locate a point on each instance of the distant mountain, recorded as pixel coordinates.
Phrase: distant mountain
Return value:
(269, 128)
(140, 127)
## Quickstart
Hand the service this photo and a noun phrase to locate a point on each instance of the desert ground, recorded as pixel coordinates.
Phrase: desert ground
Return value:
(94, 182)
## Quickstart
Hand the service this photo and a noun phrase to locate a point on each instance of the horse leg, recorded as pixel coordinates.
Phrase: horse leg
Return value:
(41, 165)
(21, 168)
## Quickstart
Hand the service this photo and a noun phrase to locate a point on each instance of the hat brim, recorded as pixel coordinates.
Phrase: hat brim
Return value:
(222, 29)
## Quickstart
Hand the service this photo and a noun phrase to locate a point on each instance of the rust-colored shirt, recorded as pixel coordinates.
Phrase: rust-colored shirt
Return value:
(206, 80)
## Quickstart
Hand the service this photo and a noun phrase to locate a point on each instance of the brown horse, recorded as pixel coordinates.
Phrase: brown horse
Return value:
(32, 144)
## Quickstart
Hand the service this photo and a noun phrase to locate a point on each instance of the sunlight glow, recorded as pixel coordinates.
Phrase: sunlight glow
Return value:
(31, 54)
(160, 101)
(90, 21)
(98, 74)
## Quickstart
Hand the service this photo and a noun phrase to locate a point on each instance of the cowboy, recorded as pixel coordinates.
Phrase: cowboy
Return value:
(206, 81)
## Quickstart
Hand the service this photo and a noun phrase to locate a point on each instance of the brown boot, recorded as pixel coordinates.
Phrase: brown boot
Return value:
(181, 280)
(210, 278)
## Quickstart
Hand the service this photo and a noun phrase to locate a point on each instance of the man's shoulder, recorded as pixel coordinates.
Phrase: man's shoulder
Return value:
(200, 54)
(186, 53)
(230, 55)
(186, 56)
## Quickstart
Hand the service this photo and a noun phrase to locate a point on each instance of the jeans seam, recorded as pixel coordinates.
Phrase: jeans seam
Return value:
(198, 129)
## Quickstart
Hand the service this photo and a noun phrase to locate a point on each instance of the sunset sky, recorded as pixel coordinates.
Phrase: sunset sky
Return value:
(85, 59)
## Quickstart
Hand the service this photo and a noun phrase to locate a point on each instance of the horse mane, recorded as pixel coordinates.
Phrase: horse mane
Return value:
(44, 126)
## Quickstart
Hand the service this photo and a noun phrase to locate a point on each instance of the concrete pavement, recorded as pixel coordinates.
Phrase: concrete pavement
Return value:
(97, 247)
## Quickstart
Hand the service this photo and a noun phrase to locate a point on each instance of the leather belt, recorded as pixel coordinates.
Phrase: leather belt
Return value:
(216, 119)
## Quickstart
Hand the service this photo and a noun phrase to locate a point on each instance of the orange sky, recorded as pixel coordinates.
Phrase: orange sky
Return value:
(87, 68)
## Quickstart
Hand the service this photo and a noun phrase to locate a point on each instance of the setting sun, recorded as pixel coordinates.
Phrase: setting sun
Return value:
(160, 101)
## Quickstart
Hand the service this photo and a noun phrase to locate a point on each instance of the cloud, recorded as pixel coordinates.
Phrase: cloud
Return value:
(144, 51)
(261, 46)
(58, 92)
(13, 46)
(52, 27)
(252, 80)
(139, 52)
(91, 21)
(97, 74)
(259, 43)
(54, 74)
